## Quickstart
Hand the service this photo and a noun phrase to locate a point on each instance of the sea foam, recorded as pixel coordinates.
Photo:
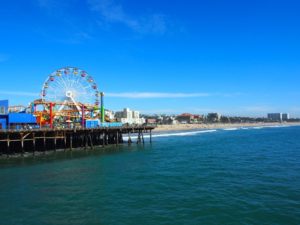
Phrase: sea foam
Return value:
(234, 128)
(187, 133)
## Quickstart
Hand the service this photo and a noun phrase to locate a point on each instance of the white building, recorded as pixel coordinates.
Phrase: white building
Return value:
(127, 113)
(135, 114)
(129, 116)
(110, 114)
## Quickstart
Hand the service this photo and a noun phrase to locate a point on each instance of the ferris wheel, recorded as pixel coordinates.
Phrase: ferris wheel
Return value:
(71, 85)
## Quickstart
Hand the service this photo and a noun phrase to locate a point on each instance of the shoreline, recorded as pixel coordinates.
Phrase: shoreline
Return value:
(187, 127)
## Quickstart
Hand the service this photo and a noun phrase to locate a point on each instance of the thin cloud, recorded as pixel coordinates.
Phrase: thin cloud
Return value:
(156, 95)
(124, 94)
(179, 111)
(295, 109)
(134, 95)
(158, 111)
(113, 12)
(19, 93)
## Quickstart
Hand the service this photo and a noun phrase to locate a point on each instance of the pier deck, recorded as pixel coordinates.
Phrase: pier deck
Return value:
(42, 140)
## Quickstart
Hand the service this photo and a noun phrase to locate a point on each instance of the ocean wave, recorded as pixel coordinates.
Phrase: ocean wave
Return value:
(277, 126)
(187, 133)
(258, 128)
(234, 128)
(274, 126)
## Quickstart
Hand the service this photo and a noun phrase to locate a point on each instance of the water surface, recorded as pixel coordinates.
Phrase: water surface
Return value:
(220, 177)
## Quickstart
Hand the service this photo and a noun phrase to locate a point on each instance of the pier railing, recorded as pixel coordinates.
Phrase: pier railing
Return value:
(79, 128)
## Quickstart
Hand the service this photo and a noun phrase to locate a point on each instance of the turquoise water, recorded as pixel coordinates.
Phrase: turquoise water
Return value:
(223, 177)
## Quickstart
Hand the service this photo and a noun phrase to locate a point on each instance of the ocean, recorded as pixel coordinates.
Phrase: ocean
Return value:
(231, 176)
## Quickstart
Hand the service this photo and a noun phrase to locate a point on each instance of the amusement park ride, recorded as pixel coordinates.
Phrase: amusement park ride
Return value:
(69, 97)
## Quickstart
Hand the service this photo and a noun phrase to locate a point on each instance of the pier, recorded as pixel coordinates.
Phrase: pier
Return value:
(41, 140)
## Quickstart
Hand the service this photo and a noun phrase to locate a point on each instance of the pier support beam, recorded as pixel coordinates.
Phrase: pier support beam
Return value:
(91, 141)
(86, 141)
(117, 138)
(44, 139)
(103, 139)
(129, 138)
(55, 141)
(33, 143)
(8, 145)
(106, 138)
(71, 142)
(143, 136)
(65, 141)
(22, 143)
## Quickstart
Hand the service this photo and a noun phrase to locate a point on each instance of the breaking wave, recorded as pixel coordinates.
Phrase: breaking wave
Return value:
(187, 133)
(234, 128)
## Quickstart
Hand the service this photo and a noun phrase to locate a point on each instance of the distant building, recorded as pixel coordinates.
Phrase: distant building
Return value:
(189, 118)
(151, 121)
(135, 114)
(169, 120)
(119, 115)
(3, 107)
(110, 115)
(130, 117)
(213, 117)
(185, 118)
(285, 117)
(275, 116)
(3, 114)
(198, 118)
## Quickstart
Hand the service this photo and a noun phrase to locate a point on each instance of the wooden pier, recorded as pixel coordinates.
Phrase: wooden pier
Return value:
(42, 140)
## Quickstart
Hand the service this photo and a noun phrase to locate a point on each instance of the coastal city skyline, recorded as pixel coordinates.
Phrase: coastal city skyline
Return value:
(155, 58)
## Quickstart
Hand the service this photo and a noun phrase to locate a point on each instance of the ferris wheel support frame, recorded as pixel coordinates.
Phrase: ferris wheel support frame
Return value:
(102, 108)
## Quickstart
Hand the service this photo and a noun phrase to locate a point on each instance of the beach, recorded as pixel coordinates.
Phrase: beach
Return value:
(179, 127)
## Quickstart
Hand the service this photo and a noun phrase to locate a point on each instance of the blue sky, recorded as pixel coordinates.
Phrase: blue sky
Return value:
(233, 57)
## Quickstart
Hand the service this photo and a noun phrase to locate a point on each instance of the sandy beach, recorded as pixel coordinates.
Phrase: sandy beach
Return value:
(179, 127)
